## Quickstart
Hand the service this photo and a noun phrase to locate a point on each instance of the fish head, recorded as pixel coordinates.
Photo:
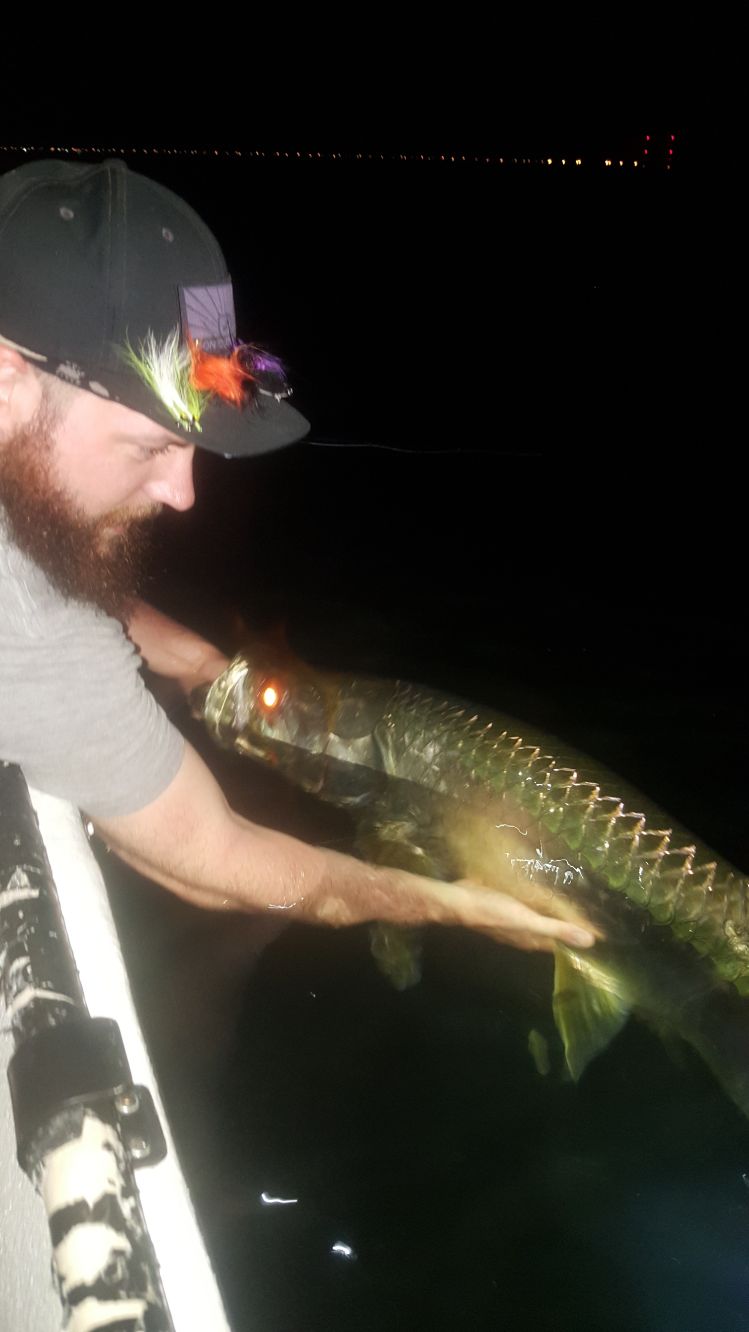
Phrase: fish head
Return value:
(318, 727)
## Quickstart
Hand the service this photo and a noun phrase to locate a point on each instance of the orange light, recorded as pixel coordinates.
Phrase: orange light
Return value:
(269, 697)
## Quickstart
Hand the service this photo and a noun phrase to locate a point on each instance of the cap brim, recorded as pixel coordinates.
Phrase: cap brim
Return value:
(263, 425)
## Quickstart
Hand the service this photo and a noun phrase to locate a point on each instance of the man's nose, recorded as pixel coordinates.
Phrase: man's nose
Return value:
(171, 482)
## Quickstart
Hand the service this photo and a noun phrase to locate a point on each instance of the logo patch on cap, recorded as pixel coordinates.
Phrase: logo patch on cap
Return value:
(208, 317)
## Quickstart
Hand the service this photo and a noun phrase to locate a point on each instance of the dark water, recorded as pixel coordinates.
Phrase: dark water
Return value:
(576, 560)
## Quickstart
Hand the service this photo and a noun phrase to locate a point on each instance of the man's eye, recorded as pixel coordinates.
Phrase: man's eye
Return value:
(154, 450)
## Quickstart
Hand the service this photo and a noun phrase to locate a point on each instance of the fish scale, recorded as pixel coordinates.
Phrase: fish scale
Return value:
(684, 886)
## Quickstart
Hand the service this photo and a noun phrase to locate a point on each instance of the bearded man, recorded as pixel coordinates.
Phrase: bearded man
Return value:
(118, 356)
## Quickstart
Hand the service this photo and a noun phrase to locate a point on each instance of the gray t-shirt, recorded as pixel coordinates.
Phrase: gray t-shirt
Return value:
(74, 711)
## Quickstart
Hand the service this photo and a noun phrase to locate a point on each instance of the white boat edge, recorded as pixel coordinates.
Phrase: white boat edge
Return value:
(28, 1302)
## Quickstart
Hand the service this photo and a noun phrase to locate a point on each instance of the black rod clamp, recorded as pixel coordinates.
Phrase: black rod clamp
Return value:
(80, 1062)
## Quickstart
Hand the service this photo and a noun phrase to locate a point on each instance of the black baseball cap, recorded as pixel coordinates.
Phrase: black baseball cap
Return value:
(96, 258)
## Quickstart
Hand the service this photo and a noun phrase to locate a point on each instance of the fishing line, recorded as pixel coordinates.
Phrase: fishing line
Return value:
(400, 448)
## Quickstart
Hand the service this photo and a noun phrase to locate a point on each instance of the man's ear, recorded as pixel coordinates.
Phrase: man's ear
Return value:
(20, 388)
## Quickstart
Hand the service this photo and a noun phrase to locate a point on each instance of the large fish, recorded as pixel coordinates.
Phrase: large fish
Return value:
(444, 789)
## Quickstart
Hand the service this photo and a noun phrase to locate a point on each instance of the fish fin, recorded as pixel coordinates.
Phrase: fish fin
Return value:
(719, 1032)
(395, 948)
(674, 1044)
(277, 636)
(397, 951)
(401, 840)
(240, 632)
(538, 1049)
(588, 1016)
(263, 634)
(272, 641)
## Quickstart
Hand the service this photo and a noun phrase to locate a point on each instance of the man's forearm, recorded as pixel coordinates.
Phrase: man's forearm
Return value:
(172, 650)
(190, 841)
(262, 870)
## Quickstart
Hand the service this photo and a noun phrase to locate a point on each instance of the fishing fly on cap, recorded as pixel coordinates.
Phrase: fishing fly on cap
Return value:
(230, 377)
(186, 377)
(206, 360)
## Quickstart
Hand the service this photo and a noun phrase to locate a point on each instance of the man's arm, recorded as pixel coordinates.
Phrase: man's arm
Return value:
(171, 650)
(190, 841)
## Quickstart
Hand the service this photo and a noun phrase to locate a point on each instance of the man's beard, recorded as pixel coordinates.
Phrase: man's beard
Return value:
(81, 556)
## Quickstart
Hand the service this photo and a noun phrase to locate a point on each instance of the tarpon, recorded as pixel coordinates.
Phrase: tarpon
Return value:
(447, 790)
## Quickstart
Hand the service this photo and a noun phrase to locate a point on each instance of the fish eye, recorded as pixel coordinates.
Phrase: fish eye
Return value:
(270, 696)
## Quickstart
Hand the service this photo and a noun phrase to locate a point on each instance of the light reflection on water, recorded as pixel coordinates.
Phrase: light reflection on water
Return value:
(471, 1183)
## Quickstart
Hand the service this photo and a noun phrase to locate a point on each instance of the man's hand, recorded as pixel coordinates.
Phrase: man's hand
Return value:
(171, 650)
(513, 921)
(190, 841)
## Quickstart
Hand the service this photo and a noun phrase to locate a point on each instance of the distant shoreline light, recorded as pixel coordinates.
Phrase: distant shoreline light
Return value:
(309, 155)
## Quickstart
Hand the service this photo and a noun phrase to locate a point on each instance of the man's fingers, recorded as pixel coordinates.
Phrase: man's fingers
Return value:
(524, 919)
(505, 916)
(526, 941)
(562, 932)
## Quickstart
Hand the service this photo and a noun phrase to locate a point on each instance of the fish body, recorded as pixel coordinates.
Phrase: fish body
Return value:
(444, 789)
